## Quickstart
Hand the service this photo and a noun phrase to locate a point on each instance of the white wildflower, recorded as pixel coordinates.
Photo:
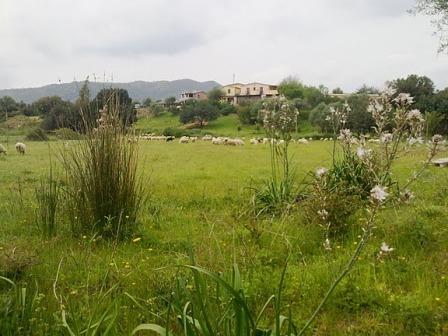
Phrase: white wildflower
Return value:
(385, 248)
(404, 99)
(379, 193)
(414, 116)
(389, 91)
(418, 140)
(386, 138)
(327, 245)
(437, 138)
(362, 153)
(323, 214)
(321, 171)
(345, 135)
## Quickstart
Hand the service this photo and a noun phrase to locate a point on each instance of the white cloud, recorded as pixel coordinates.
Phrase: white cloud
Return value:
(338, 43)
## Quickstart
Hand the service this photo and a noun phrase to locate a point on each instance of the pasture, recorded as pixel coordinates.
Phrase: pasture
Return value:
(199, 205)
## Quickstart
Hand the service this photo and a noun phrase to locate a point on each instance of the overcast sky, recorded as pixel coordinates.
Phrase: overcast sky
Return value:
(333, 42)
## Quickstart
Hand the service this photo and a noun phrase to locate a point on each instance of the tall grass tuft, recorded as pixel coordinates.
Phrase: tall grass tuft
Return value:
(276, 194)
(48, 197)
(17, 307)
(105, 192)
(218, 305)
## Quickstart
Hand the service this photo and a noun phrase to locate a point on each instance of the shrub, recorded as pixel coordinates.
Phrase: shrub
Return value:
(47, 196)
(104, 191)
(171, 131)
(199, 112)
(227, 109)
(67, 134)
(249, 113)
(37, 134)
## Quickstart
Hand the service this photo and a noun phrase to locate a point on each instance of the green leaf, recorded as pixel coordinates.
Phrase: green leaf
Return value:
(152, 327)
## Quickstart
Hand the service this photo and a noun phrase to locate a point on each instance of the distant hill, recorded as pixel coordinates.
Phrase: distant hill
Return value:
(138, 90)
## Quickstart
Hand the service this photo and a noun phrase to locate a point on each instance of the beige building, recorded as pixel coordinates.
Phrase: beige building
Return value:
(238, 93)
(192, 95)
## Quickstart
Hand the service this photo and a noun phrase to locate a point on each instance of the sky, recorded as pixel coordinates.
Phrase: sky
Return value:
(338, 43)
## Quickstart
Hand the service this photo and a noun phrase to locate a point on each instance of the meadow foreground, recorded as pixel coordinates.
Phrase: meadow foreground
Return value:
(199, 207)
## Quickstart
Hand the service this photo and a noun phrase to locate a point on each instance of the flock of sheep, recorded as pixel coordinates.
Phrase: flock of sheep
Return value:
(20, 148)
(222, 140)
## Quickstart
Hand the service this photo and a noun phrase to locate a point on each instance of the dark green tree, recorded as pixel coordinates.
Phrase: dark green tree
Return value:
(198, 111)
(313, 96)
(337, 90)
(112, 96)
(291, 88)
(419, 87)
(318, 117)
(215, 94)
(7, 106)
(366, 89)
(249, 113)
(359, 119)
(147, 102)
(440, 105)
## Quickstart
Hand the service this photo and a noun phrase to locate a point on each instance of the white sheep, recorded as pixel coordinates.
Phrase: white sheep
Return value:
(303, 141)
(20, 148)
(2, 149)
(253, 141)
(184, 139)
(217, 141)
(207, 137)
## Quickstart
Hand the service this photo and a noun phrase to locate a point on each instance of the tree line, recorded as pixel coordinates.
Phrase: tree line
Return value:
(58, 113)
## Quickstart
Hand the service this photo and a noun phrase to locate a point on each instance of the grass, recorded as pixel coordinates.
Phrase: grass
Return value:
(199, 192)
(223, 126)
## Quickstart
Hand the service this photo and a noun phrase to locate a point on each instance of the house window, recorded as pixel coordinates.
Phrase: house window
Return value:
(255, 88)
(248, 91)
(228, 91)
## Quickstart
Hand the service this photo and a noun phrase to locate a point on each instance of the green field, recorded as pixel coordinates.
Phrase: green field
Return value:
(223, 126)
(199, 196)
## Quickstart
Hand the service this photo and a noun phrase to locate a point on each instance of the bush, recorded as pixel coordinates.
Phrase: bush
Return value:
(176, 132)
(47, 196)
(104, 192)
(199, 112)
(249, 113)
(338, 193)
(37, 134)
(227, 109)
(67, 134)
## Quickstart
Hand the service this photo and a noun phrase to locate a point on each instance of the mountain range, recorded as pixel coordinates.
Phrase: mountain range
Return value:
(138, 90)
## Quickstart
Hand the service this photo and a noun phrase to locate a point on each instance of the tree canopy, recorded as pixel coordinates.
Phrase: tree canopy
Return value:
(419, 87)
(438, 9)
(291, 88)
(198, 111)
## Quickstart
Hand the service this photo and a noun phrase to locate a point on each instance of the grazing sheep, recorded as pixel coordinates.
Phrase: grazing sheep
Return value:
(253, 141)
(207, 137)
(20, 148)
(170, 138)
(184, 139)
(2, 149)
(217, 141)
(303, 141)
(233, 142)
(193, 139)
